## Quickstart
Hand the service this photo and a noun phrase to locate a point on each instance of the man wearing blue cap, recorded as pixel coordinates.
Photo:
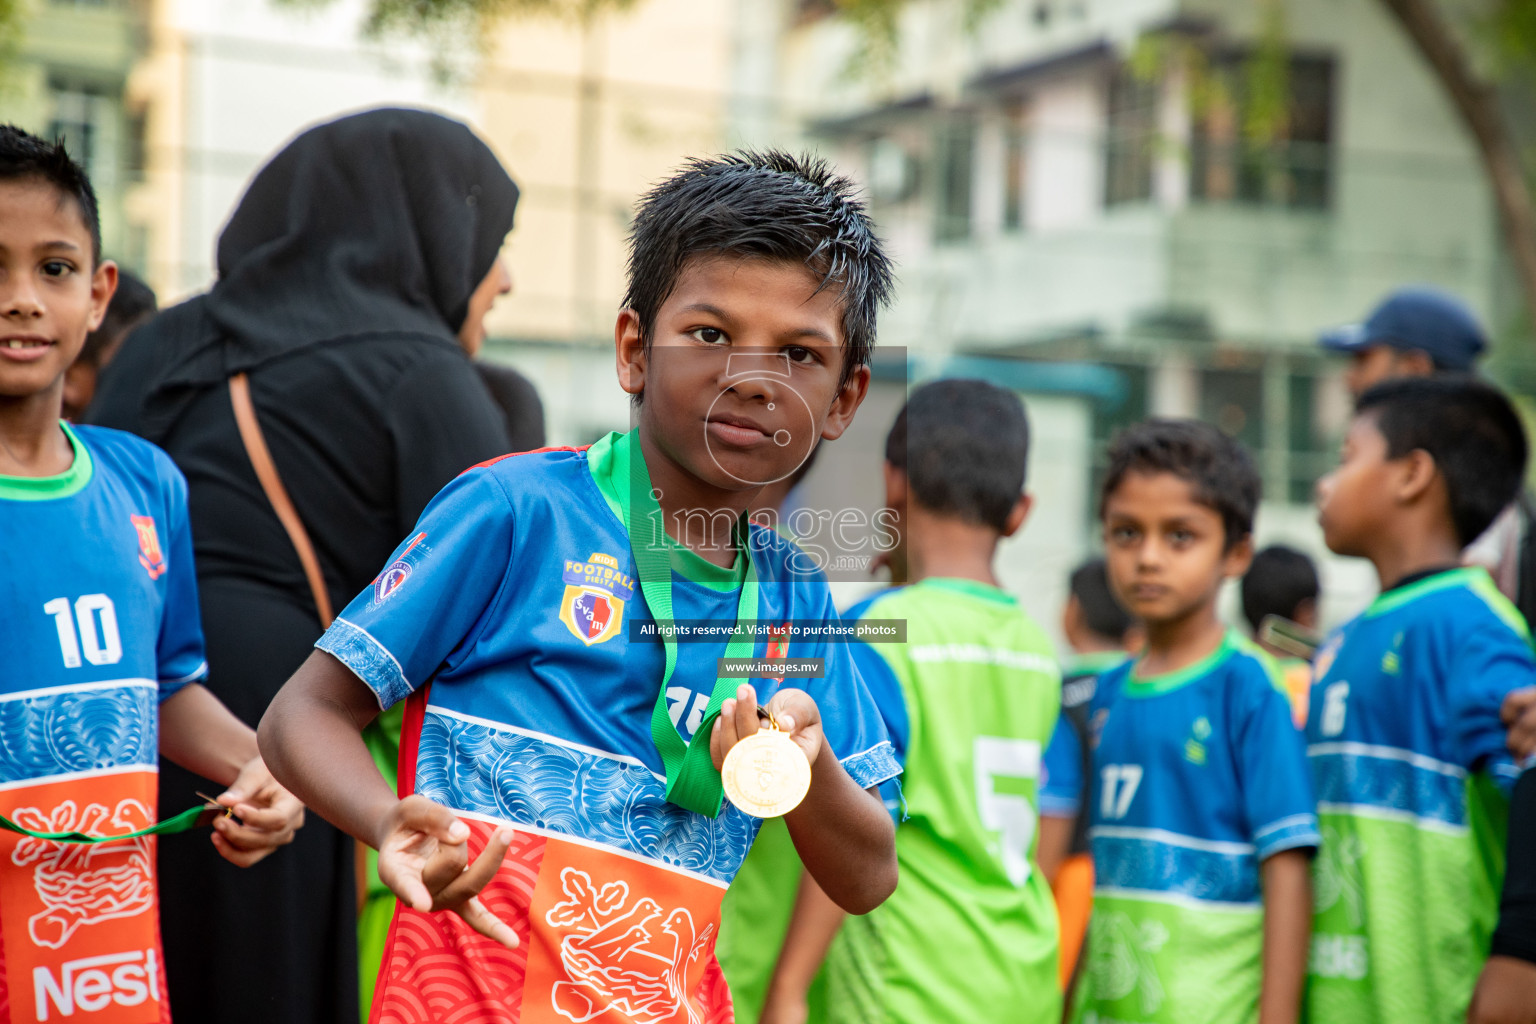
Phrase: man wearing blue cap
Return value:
(1415, 332)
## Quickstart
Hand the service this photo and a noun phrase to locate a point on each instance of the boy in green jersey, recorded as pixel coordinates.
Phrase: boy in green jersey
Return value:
(970, 701)
(1404, 738)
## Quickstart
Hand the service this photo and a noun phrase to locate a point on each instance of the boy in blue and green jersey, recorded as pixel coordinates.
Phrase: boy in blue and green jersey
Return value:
(969, 700)
(1404, 737)
(1203, 822)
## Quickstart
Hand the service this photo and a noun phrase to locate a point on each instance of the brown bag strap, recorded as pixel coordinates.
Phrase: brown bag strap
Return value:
(277, 494)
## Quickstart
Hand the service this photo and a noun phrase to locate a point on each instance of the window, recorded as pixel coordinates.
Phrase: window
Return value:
(1015, 164)
(1129, 143)
(83, 119)
(954, 153)
(1292, 170)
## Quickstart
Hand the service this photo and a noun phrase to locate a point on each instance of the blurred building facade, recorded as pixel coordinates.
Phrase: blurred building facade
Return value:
(587, 117)
(67, 77)
(221, 85)
(1067, 188)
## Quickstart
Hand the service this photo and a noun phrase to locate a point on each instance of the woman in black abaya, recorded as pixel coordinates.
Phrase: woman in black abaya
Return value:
(358, 266)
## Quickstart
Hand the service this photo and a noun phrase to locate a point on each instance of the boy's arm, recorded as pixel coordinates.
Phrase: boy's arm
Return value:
(1287, 881)
(812, 928)
(311, 735)
(1506, 992)
(844, 836)
(201, 735)
(1054, 844)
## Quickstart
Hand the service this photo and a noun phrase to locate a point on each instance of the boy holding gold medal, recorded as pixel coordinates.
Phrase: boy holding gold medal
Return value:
(555, 624)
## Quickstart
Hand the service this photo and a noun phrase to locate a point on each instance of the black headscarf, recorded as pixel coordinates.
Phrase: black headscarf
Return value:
(378, 223)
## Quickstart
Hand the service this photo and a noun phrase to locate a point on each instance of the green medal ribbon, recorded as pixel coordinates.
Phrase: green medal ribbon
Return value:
(693, 782)
(187, 820)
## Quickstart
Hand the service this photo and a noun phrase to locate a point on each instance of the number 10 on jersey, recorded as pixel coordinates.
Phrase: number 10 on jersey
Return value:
(96, 636)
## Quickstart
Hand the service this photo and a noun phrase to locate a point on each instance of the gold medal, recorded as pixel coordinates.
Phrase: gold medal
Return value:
(766, 774)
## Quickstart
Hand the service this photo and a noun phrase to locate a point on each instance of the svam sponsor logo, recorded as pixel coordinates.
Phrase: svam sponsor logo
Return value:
(592, 606)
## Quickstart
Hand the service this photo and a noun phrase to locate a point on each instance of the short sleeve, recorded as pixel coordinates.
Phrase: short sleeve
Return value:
(179, 655)
(442, 421)
(1485, 667)
(435, 594)
(1276, 782)
(851, 718)
(1061, 785)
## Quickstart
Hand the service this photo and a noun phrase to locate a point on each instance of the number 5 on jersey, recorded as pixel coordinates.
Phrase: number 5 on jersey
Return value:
(103, 645)
(1011, 814)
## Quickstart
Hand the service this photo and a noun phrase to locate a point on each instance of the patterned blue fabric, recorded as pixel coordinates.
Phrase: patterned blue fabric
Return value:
(1151, 861)
(1428, 791)
(517, 778)
(63, 731)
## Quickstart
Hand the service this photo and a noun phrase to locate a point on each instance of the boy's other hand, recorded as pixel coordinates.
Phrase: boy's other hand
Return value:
(794, 710)
(1505, 994)
(424, 859)
(1519, 715)
(268, 815)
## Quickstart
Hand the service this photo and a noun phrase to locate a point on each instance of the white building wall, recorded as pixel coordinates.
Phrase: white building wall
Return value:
(251, 75)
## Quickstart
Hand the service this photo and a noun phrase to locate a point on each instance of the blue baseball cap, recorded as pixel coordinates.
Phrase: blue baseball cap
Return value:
(1422, 319)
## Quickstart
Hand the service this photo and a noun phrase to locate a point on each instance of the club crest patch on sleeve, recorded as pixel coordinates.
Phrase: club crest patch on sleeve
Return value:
(592, 606)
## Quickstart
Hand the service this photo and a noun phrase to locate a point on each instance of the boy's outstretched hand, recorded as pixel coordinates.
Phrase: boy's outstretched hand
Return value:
(268, 815)
(424, 859)
(794, 710)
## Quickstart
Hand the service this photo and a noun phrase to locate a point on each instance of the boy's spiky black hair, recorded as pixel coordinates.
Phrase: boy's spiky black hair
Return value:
(1219, 471)
(24, 155)
(770, 205)
(1471, 431)
(964, 445)
(1278, 582)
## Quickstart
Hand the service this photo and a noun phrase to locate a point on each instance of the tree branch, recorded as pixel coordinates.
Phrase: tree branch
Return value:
(1477, 103)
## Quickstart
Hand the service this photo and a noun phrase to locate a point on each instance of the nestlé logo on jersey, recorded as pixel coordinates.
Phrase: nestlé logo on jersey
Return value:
(592, 606)
(93, 983)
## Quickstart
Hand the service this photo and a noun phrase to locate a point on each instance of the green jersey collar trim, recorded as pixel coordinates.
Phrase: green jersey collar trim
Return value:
(1093, 663)
(49, 488)
(1465, 576)
(971, 588)
(608, 462)
(1136, 686)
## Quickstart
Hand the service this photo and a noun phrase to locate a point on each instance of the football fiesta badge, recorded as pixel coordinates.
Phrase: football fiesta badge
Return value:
(592, 606)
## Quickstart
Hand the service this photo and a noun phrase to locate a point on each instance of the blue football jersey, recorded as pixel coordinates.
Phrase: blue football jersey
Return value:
(511, 618)
(1412, 777)
(99, 603)
(1199, 776)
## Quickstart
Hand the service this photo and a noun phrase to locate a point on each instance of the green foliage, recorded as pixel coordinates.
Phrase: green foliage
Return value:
(1508, 28)
(428, 18)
